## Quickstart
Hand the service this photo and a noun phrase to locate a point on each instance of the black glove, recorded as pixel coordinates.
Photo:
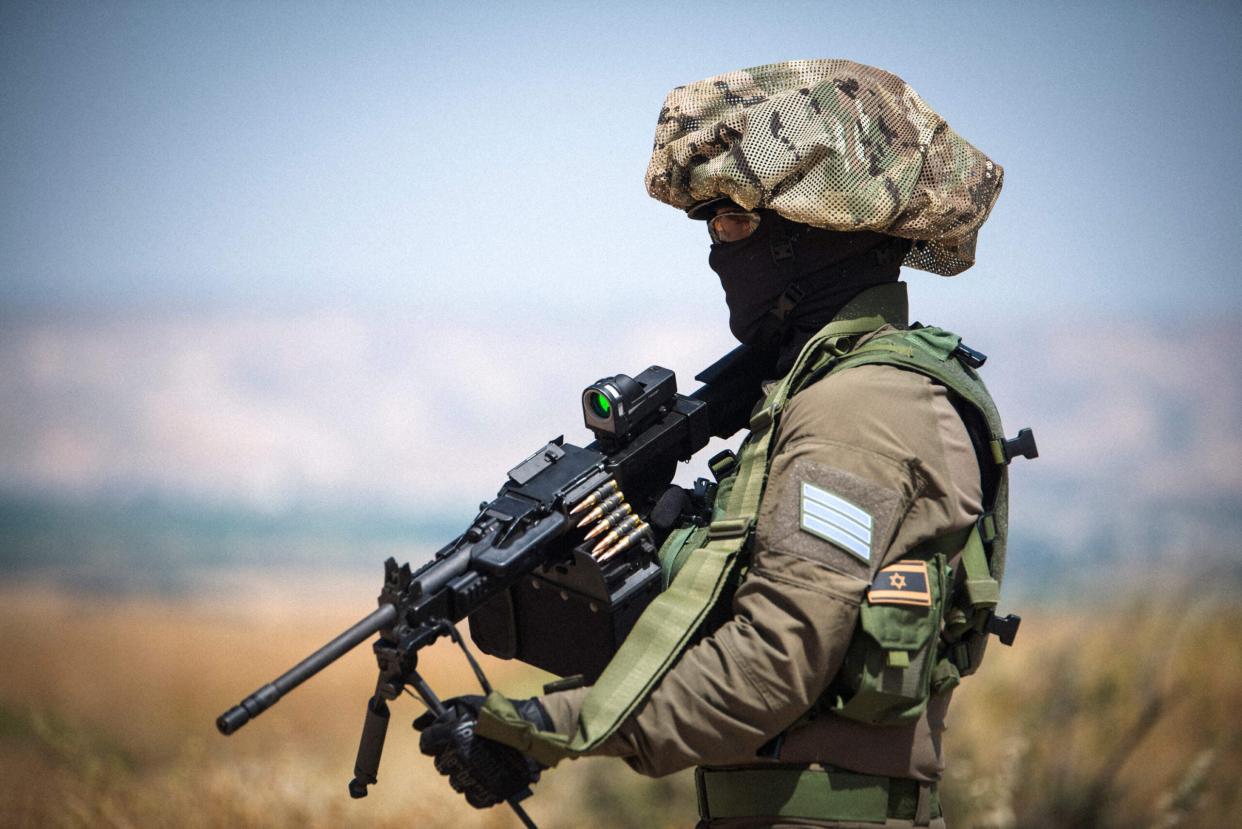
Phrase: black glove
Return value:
(485, 771)
(669, 508)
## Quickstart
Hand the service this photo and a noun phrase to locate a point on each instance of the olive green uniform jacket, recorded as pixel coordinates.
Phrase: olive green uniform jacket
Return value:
(887, 440)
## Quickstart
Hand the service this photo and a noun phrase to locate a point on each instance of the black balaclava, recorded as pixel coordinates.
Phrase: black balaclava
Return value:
(827, 268)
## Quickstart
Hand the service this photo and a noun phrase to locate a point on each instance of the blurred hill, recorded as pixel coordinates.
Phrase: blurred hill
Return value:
(147, 446)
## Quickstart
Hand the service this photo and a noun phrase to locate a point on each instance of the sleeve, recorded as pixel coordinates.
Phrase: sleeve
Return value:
(859, 476)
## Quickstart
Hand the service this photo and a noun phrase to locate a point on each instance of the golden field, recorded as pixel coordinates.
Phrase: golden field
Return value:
(1125, 716)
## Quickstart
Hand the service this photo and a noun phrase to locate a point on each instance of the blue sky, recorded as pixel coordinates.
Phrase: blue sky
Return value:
(490, 156)
(265, 255)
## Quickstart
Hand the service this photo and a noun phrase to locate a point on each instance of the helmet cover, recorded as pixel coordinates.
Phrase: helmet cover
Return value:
(829, 143)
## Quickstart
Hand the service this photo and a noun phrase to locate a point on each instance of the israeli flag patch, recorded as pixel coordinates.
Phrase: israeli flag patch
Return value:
(834, 519)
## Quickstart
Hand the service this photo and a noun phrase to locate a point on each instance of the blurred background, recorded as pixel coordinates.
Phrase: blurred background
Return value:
(286, 288)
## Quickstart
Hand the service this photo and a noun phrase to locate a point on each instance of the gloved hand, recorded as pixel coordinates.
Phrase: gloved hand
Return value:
(485, 771)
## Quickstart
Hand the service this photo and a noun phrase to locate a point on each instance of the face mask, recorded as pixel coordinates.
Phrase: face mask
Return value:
(753, 279)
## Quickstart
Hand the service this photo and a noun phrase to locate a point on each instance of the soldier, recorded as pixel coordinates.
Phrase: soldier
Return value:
(866, 513)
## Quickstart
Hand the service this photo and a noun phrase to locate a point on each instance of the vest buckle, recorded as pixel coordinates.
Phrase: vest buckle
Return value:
(1023, 445)
(969, 356)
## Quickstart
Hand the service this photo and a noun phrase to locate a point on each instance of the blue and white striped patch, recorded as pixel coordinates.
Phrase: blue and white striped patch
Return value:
(834, 519)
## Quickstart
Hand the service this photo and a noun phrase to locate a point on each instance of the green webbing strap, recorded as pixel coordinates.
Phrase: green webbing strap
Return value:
(809, 794)
(997, 448)
(680, 545)
(722, 465)
(982, 591)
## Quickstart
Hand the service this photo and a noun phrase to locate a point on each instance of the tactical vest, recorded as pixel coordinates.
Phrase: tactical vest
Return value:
(896, 659)
(901, 655)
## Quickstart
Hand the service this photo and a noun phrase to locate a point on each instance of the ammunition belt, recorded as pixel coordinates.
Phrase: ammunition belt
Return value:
(813, 794)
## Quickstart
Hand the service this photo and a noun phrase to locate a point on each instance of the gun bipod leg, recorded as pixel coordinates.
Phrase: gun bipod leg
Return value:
(371, 744)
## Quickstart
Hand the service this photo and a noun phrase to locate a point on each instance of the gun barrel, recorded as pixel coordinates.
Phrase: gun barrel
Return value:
(267, 696)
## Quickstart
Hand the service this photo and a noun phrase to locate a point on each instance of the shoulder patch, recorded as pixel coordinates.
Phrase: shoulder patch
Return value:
(904, 582)
(834, 519)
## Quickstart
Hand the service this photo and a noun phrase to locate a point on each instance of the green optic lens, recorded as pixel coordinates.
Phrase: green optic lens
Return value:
(601, 404)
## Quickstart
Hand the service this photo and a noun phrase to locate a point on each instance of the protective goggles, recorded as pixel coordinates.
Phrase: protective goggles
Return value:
(733, 226)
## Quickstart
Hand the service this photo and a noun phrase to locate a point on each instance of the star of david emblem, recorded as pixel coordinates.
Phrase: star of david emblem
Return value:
(902, 583)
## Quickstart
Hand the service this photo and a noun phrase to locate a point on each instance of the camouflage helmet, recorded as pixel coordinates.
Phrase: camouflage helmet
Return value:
(829, 143)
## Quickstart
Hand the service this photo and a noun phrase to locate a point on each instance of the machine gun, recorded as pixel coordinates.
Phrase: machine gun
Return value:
(523, 573)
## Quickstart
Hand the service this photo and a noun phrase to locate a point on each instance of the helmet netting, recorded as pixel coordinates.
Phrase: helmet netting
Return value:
(829, 143)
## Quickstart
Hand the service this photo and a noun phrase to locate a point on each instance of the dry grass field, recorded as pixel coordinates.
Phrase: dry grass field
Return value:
(1126, 717)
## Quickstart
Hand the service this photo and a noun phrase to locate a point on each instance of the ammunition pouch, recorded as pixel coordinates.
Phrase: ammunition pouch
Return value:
(891, 661)
(902, 655)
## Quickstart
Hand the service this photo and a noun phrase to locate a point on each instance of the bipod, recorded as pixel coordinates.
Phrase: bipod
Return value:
(398, 669)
